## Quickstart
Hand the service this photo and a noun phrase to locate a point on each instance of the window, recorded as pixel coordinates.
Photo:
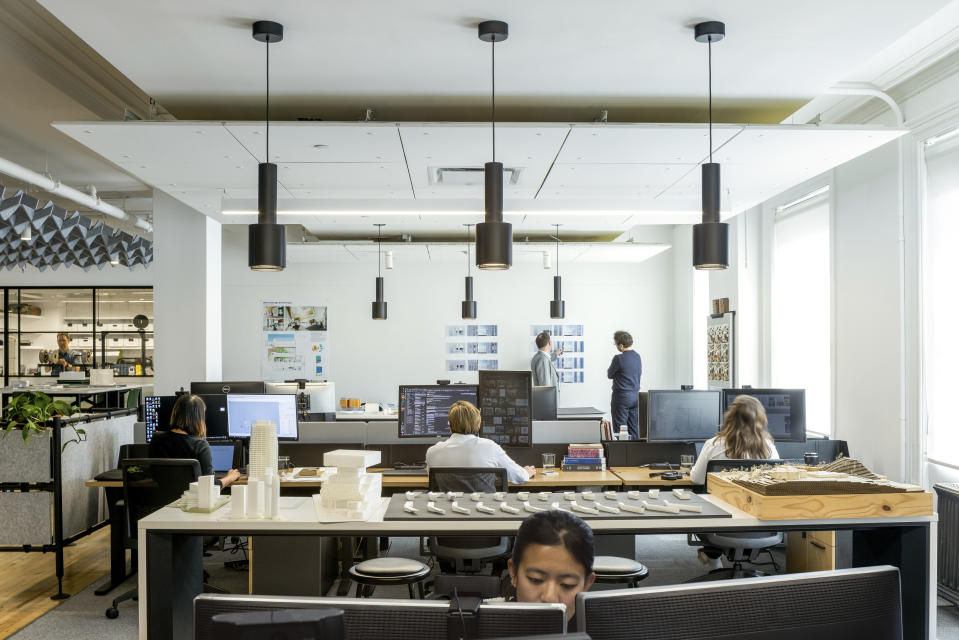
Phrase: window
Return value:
(800, 320)
(940, 303)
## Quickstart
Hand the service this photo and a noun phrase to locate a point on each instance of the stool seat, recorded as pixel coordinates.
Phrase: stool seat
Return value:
(616, 569)
(389, 567)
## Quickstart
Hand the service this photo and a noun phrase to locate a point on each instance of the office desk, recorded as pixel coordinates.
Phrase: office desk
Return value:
(537, 482)
(639, 476)
(171, 551)
(111, 397)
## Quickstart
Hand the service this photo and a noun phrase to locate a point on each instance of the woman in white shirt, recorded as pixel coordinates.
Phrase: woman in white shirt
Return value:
(465, 449)
(743, 437)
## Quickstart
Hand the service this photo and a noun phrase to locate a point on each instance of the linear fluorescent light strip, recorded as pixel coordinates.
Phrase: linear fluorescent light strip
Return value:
(942, 137)
(806, 198)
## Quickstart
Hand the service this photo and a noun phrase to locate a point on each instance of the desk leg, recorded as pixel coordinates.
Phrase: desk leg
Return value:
(909, 548)
(345, 546)
(118, 555)
(173, 578)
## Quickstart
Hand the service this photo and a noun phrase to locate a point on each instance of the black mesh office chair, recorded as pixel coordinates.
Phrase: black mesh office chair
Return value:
(150, 484)
(468, 554)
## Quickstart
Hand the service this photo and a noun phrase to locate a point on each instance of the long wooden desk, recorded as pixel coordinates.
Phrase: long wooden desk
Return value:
(639, 476)
(171, 550)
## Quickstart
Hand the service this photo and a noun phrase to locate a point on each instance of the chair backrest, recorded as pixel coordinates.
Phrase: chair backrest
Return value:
(132, 451)
(487, 479)
(152, 483)
(133, 398)
(726, 465)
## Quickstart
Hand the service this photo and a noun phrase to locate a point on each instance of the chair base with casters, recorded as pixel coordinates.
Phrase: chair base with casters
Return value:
(388, 571)
(610, 569)
(738, 548)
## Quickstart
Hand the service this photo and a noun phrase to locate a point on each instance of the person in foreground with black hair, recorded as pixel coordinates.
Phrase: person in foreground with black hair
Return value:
(552, 559)
(187, 437)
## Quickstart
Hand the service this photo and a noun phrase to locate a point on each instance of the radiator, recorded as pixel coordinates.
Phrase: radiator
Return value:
(948, 551)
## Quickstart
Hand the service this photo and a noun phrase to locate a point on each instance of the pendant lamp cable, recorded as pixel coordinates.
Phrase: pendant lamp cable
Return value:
(709, 48)
(379, 241)
(557, 248)
(468, 250)
(267, 99)
(493, 103)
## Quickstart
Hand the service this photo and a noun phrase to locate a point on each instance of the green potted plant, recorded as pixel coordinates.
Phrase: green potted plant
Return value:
(30, 411)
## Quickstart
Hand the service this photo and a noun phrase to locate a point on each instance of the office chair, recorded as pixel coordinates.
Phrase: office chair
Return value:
(468, 554)
(148, 485)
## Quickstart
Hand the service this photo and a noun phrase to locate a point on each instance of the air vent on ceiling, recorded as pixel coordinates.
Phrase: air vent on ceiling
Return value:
(469, 176)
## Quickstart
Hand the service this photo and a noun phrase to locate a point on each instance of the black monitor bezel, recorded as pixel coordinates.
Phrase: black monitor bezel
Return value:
(769, 391)
(158, 427)
(268, 395)
(649, 427)
(223, 434)
(231, 387)
(528, 375)
(399, 405)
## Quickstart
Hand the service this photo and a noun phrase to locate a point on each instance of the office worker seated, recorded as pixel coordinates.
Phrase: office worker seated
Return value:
(743, 436)
(187, 437)
(552, 559)
(464, 448)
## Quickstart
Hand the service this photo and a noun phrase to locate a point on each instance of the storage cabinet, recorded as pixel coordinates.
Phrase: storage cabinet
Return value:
(811, 551)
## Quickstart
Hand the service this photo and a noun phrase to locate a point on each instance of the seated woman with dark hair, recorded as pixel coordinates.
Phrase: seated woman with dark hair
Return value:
(187, 437)
(552, 559)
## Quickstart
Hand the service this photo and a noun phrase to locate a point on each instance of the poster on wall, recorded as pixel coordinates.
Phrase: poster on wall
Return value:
(568, 338)
(475, 347)
(720, 339)
(295, 341)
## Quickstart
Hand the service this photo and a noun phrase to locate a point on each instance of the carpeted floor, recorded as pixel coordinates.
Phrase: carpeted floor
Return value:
(668, 557)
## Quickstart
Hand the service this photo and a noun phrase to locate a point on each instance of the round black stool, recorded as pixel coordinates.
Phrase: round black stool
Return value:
(387, 571)
(612, 569)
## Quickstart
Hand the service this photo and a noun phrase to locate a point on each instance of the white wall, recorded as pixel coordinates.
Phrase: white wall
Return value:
(368, 358)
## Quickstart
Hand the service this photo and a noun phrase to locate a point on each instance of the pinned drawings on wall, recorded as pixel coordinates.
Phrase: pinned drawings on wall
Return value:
(720, 339)
(571, 364)
(295, 341)
(471, 347)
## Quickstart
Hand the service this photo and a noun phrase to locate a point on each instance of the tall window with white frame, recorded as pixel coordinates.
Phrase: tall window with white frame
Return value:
(801, 348)
(940, 305)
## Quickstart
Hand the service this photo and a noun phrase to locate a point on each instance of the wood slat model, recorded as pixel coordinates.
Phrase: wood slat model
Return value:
(27, 580)
(891, 505)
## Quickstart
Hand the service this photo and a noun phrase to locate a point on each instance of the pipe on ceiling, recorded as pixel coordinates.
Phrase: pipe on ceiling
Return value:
(54, 187)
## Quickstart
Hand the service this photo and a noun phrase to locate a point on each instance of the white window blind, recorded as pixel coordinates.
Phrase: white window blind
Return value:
(800, 305)
(940, 301)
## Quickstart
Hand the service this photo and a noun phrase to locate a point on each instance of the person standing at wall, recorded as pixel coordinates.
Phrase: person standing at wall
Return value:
(543, 363)
(625, 371)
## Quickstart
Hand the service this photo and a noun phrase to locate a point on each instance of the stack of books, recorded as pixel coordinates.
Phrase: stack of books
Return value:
(584, 457)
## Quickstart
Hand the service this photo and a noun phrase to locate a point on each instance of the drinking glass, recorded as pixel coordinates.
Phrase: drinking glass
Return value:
(687, 460)
(549, 462)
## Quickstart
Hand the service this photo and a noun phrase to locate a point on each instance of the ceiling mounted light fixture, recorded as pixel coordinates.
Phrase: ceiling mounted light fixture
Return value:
(379, 305)
(494, 238)
(710, 237)
(27, 234)
(469, 305)
(557, 307)
(267, 250)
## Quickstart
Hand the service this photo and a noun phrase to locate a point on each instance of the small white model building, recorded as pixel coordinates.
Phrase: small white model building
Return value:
(351, 492)
(202, 494)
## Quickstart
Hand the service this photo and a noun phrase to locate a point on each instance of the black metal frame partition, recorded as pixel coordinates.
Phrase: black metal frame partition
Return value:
(93, 330)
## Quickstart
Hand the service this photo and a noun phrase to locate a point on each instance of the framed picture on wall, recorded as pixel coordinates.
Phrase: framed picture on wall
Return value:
(720, 350)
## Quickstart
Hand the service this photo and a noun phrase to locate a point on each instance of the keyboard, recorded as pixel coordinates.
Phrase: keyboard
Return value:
(404, 472)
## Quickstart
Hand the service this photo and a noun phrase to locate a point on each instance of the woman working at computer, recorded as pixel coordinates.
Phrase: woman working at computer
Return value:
(187, 437)
(743, 436)
(466, 449)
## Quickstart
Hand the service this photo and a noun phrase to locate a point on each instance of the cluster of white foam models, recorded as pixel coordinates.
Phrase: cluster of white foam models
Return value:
(351, 493)
(260, 498)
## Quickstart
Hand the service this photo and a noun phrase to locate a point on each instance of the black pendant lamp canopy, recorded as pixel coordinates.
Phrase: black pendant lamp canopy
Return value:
(711, 237)
(494, 238)
(267, 250)
(469, 305)
(379, 305)
(557, 306)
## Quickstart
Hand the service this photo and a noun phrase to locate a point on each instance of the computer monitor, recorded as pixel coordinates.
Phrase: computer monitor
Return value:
(683, 416)
(245, 409)
(315, 401)
(826, 605)
(544, 403)
(222, 456)
(156, 413)
(217, 425)
(256, 386)
(396, 619)
(423, 410)
(505, 402)
(785, 411)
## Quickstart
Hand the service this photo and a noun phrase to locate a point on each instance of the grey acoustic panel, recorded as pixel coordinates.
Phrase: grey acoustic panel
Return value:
(26, 518)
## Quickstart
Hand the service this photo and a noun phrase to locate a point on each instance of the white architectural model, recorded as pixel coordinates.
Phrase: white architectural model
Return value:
(202, 494)
(351, 493)
(263, 449)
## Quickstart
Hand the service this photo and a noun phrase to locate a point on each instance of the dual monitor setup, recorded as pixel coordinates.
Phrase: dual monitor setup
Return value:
(696, 416)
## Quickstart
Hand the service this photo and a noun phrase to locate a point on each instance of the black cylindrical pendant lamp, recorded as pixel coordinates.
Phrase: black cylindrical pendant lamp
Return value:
(557, 306)
(267, 251)
(711, 237)
(379, 305)
(494, 238)
(469, 305)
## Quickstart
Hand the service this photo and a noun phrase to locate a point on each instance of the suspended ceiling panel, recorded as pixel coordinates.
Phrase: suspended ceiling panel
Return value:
(641, 182)
(321, 142)
(345, 180)
(642, 144)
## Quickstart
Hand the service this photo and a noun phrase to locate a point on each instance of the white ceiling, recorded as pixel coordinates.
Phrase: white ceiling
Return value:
(590, 177)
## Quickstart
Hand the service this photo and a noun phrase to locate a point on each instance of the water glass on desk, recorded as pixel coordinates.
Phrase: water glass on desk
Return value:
(549, 463)
(687, 460)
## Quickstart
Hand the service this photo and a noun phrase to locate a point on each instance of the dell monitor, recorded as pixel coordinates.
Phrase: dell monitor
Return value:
(216, 419)
(683, 416)
(423, 410)
(785, 411)
(544, 403)
(156, 414)
(245, 409)
(200, 388)
(315, 401)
